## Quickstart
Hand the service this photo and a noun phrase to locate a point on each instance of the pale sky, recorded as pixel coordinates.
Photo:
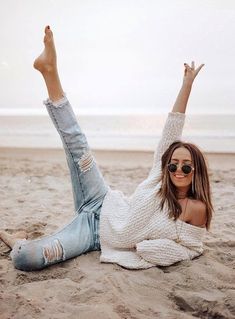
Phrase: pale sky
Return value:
(120, 55)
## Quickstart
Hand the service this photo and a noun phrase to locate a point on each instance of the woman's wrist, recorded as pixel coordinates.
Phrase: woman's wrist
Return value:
(187, 83)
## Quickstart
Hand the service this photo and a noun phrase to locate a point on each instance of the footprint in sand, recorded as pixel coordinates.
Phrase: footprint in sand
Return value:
(207, 304)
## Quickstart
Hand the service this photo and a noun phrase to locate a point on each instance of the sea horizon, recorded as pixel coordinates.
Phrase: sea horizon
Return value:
(137, 132)
(41, 111)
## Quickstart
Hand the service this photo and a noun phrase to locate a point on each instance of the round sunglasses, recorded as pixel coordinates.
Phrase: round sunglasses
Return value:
(186, 168)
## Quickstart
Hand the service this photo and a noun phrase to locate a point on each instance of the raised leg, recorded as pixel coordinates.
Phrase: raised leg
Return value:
(87, 181)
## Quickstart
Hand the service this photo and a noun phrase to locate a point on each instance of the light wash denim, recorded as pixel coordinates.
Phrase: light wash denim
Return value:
(89, 188)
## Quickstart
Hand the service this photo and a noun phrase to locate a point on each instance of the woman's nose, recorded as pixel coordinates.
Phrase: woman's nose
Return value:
(179, 166)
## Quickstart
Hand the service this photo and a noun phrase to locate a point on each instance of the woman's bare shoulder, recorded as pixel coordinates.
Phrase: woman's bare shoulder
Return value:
(197, 213)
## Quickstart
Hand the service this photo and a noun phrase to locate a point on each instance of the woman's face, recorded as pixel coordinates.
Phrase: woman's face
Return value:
(180, 157)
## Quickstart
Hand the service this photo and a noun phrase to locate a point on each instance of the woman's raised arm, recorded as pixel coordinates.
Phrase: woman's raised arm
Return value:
(173, 127)
(189, 75)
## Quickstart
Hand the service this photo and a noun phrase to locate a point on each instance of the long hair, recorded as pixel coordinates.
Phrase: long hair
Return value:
(200, 186)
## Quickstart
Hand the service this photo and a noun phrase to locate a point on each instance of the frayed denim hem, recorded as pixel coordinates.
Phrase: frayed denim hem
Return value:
(59, 103)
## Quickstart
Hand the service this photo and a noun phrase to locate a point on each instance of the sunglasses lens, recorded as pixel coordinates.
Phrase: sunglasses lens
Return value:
(186, 169)
(172, 168)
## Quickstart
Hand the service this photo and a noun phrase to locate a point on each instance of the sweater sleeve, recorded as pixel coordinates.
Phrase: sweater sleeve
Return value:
(162, 252)
(172, 131)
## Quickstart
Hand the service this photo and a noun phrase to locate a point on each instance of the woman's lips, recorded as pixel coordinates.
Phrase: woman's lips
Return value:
(179, 176)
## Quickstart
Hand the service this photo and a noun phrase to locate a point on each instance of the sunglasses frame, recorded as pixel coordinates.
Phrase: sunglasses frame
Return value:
(177, 165)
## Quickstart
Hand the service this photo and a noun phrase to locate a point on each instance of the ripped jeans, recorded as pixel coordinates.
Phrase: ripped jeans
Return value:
(89, 188)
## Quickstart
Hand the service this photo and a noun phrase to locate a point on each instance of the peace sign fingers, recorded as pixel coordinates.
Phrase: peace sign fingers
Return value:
(190, 72)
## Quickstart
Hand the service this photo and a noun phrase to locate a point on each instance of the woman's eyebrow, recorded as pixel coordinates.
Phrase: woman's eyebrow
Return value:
(184, 160)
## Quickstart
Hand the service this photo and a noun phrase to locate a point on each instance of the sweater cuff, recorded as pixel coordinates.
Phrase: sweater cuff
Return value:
(177, 115)
(143, 246)
(145, 249)
(162, 251)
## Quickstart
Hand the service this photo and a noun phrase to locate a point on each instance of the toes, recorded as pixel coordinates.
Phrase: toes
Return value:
(48, 31)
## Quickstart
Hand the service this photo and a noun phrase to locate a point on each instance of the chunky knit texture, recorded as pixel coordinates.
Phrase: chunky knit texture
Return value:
(127, 222)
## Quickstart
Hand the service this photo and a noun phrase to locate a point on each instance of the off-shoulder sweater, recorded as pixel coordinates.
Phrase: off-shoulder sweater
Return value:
(137, 221)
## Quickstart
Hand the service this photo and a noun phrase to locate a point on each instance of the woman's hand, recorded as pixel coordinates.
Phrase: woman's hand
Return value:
(190, 72)
(189, 75)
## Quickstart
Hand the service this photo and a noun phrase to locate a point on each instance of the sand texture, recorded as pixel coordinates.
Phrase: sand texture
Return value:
(36, 196)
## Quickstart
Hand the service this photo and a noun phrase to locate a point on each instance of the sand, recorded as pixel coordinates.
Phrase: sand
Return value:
(36, 196)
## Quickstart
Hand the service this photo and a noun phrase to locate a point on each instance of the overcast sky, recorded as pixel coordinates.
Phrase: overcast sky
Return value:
(120, 54)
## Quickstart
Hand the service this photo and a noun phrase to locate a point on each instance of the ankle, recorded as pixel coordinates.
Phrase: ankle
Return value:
(49, 71)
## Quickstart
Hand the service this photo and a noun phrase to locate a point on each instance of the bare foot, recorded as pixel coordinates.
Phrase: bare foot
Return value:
(46, 62)
(10, 240)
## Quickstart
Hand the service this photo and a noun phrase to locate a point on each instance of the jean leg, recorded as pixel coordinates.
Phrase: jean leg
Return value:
(79, 236)
(87, 181)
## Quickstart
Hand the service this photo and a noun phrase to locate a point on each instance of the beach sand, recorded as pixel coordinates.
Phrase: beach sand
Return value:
(36, 196)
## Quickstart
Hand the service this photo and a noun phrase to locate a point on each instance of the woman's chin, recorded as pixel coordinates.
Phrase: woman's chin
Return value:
(181, 183)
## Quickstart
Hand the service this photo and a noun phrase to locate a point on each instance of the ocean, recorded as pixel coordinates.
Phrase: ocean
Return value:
(139, 132)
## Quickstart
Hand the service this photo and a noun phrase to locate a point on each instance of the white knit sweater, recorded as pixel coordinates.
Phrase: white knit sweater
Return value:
(137, 220)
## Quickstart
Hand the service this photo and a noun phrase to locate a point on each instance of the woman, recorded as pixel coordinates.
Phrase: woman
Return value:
(163, 222)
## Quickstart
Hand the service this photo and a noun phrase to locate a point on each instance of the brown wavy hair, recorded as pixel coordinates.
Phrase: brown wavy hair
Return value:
(200, 186)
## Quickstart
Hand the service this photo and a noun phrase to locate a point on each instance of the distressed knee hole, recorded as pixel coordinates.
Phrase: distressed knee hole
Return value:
(86, 162)
(53, 251)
